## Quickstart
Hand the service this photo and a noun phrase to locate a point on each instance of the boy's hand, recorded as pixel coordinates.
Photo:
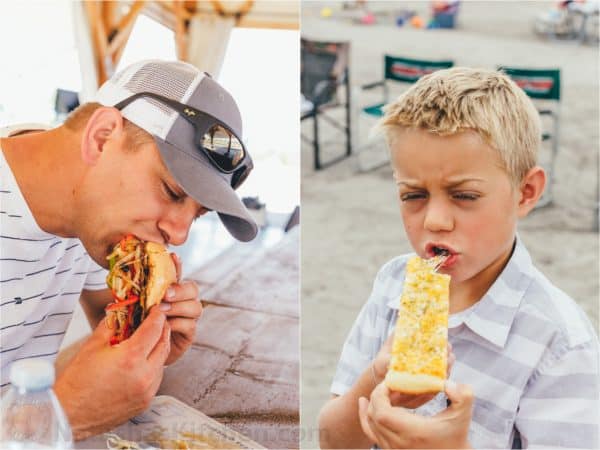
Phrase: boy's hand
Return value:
(380, 366)
(393, 427)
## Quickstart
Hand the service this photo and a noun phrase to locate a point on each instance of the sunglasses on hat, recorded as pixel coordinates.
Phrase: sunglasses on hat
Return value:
(218, 142)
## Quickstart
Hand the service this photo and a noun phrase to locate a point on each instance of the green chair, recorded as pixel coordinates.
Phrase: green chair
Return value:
(396, 70)
(544, 85)
(323, 74)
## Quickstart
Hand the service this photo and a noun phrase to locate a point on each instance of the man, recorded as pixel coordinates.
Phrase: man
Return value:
(160, 148)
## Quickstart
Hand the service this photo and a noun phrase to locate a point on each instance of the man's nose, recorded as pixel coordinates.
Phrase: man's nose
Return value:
(175, 225)
(438, 216)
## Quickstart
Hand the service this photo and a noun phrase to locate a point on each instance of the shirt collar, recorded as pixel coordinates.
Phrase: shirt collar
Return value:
(491, 318)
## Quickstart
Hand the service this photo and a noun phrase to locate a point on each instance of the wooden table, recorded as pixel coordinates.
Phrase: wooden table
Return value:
(243, 368)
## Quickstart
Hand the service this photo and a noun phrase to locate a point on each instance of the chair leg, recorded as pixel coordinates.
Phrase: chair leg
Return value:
(316, 142)
(348, 123)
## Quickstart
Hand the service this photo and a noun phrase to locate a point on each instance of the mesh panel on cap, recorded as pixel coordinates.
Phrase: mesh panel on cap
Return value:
(169, 80)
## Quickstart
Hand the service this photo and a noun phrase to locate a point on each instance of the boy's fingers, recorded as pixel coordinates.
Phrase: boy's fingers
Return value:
(380, 397)
(460, 395)
(451, 360)
(363, 405)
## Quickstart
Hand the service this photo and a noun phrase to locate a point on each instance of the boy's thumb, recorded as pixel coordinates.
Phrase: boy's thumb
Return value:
(460, 395)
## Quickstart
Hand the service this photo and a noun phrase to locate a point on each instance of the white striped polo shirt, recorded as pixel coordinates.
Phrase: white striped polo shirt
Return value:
(527, 349)
(41, 279)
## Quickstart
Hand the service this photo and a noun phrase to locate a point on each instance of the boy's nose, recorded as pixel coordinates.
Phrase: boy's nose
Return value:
(438, 217)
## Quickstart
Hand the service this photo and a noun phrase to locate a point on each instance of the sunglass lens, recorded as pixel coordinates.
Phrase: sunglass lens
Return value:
(240, 176)
(223, 147)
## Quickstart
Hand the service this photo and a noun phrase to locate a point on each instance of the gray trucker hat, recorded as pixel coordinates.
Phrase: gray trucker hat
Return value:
(174, 135)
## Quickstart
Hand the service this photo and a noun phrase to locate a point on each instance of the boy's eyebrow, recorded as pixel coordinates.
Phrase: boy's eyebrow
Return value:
(413, 184)
(458, 181)
(453, 182)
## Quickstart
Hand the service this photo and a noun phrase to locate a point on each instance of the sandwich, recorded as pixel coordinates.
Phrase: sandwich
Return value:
(139, 274)
(419, 349)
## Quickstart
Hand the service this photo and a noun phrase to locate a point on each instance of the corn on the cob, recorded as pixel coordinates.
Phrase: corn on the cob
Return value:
(419, 350)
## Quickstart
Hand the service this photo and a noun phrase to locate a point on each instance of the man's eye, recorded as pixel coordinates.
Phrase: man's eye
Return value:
(172, 194)
(465, 196)
(413, 196)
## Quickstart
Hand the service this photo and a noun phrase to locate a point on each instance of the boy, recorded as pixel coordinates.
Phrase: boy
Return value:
(463, 148)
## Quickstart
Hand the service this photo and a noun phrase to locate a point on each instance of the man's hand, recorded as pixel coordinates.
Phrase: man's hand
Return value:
(380, 366)
(395, 427)
(183, 310)
(105, 385)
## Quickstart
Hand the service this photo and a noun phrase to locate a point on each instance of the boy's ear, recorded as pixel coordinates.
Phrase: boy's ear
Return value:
(531, 189)
(104, 124)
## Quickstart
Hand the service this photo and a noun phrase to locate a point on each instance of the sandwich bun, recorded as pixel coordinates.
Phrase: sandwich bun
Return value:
(161, 273)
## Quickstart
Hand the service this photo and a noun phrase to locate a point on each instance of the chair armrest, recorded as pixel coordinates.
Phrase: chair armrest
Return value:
(323, 92)
(368, 86)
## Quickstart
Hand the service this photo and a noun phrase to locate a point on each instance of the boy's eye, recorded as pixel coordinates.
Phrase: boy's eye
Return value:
(412, 196)
(465, 196)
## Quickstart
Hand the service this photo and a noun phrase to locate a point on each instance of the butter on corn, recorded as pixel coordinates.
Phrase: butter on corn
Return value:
(419, 350)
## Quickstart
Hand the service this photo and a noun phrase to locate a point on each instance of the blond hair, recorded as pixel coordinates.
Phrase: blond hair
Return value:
(134, 135)
(488, 102)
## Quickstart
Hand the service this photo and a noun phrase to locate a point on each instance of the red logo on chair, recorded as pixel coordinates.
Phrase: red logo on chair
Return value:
(408, 71)
(538, 85)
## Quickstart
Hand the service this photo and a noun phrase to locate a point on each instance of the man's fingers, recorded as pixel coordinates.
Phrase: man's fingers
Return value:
(189, 309)
(187, 327)
(160, 352)
(102, 333)
(177, 262)
(363, 405)
(149, 332)
(186, 290)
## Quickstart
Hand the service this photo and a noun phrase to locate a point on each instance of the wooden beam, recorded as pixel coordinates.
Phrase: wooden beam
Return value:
(180, 29)
(121, 32)
(99, 39)
(246, 22)
(163, 12)
(109, 12)
(220, 8)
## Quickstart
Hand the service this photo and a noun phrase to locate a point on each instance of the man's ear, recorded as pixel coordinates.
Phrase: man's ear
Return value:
(104, 124)
(531, 189)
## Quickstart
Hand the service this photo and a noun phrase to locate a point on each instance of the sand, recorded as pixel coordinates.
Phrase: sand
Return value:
(350, 220)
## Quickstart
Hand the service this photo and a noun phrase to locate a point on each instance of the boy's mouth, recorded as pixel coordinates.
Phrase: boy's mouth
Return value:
(438, 249)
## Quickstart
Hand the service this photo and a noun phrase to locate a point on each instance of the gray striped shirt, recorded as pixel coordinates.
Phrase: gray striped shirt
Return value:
(527, 349)
(41, 279)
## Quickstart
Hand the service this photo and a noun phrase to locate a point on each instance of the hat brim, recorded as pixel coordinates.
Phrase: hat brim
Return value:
(205, 184)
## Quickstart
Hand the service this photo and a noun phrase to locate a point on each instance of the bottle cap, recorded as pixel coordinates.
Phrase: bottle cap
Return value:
(32, 374)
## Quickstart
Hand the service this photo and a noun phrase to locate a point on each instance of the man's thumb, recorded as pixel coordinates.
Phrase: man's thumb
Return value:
(460, 395)
(102, 333)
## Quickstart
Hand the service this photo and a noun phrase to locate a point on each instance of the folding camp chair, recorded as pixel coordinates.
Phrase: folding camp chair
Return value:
(396, 70)
(544, 85)
(324, 69)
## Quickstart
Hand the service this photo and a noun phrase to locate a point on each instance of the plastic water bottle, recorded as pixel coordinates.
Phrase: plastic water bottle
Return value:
(32, 417)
